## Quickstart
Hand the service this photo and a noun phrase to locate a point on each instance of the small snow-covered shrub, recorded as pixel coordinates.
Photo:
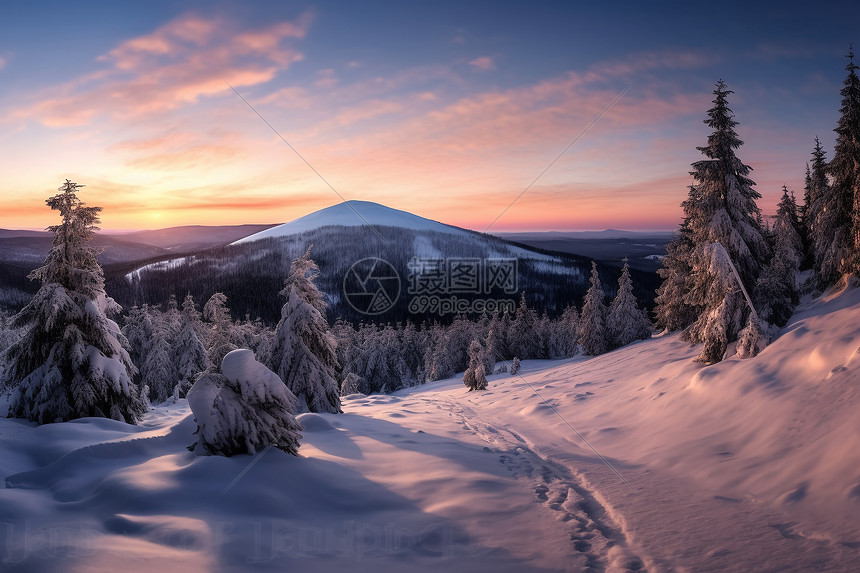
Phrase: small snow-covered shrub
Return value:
(474, 377)
(753, 338)
(244, 409)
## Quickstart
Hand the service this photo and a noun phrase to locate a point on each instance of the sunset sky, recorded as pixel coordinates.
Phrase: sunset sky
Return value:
(445, 109)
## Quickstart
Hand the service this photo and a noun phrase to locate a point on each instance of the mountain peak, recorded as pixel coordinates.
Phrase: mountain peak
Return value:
(353, 213)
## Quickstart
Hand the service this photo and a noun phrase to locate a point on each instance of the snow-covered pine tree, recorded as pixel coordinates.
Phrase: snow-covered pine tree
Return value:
(189, 354)
(565, 331)
(475, 376)
(804, 216)
(432, 339)
(172, 317)
(672, 310)
(351, 384)
(8, 337)
(218, 332)
(348, 349)
(626, 321)
(382, 362)
(844, 169)
(490, 354)
(795, 213)
(412, 345)
(515, 366)
(753, 338)
(817, 217)
(305, 352)
(248, 334)
(244, 409)
(138, 332)
(158, 371)
(776, 289)
(723, 221)
(523, 337)
(70, 362)
(593, 337)
(497, 348)
(451, 349)
(543, 334)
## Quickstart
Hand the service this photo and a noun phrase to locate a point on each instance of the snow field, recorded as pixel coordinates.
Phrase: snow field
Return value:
(745, 465)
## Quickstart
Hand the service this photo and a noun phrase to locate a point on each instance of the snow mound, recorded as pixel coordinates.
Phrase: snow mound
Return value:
(353, 214)
(257, 382)
(315, 423)
(244, 409)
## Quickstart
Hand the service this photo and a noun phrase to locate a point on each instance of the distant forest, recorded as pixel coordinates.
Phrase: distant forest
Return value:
(252, 274)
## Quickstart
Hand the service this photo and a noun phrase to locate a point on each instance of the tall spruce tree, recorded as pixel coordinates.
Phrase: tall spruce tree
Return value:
(776, 289)
(626, 322)
(189, 354)
(523, 337)
(722, 224)
(71, 361)
(568, 330)
(804, 216)
(158, 370)
(844, 169)
(593, 337)
(218, 333)
(138, 332)
(305, 353)
(819, 212)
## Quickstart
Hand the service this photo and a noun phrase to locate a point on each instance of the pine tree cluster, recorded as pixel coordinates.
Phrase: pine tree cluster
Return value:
(727, 276)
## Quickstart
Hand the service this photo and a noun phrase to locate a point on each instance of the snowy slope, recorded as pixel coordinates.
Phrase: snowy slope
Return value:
(740, 466)
(352, 214)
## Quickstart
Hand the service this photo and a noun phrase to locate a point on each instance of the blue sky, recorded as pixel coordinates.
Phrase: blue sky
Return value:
(445, 109)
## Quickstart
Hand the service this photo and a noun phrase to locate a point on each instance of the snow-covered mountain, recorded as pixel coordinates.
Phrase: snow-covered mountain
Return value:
(250, 271)
(636, 460)
(353, 214)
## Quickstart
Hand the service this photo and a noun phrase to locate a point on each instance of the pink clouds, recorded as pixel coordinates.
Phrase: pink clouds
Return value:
(488, 145)
(431, 139)
(484, 63)
(326, 79)
(551, 111)
(289, 97)
(176, 65)
(647, 61)
(366, 110)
